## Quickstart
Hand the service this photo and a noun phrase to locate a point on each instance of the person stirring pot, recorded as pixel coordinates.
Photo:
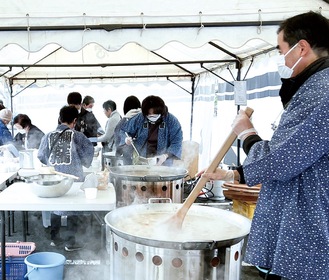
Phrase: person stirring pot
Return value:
(290, 229)
(155, 132)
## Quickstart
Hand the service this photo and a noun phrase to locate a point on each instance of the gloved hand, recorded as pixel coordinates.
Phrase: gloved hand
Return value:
(242, 126)
(161, 159)
(128, 140)
(219, 174)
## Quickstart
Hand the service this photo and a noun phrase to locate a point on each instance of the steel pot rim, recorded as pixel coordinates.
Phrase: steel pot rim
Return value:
(179, 245)
(147, 173)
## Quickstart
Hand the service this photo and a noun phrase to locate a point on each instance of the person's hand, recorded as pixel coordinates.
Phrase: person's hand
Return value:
(128, 140)
(242, 126)
(161, 159)
(131, 113)
(219, 174)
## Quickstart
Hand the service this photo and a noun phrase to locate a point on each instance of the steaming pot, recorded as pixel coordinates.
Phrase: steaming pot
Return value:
(133, 243)
(136, 184)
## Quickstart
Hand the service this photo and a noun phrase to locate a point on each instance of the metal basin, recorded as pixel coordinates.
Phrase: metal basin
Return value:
(50, 185)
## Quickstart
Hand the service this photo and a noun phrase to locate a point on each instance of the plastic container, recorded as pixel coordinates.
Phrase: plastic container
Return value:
(19, 249)
(15, 268)
(15, 253)
(45, 265)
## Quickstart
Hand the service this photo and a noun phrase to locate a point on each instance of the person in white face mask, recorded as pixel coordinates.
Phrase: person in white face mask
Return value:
(29, 136)
(289, 235)
(155, 132)
(90, 120)
(86, 122)
(285, 71)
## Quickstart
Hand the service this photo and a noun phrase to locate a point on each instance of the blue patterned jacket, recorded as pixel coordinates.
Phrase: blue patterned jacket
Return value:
(170, 135)
(290, 227)
(5, 135)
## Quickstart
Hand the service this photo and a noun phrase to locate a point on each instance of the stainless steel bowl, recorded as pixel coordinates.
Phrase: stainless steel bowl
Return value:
(50, 185)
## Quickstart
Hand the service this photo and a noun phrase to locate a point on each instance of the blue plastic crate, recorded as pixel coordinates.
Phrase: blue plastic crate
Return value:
(15, 268)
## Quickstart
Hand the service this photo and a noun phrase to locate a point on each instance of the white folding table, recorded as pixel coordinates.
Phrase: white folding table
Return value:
(19, 197)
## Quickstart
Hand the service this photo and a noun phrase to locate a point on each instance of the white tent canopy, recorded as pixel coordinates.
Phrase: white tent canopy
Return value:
(80, 45)
(124, 41)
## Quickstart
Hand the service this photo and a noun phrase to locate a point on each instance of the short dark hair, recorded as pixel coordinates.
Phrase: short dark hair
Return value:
(67, 114)
(310, 26)
(88, 99)
(154, 102)
(23, 120)
(131, 102)
(74, 98)
(109, 104)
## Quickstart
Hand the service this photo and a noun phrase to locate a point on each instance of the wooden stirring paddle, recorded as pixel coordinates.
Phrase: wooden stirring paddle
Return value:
(177, 219)
(65, 174)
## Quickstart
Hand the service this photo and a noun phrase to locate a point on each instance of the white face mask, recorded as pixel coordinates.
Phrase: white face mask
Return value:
(153, 118)
(22, 131)
(285, 72)
(89, 109)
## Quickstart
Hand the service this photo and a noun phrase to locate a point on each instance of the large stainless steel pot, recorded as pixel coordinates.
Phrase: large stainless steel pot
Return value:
(208, 247)
(136, 184)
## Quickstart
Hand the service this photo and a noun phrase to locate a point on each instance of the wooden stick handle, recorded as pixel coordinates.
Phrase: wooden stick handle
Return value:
(65, 174)
(212, 167)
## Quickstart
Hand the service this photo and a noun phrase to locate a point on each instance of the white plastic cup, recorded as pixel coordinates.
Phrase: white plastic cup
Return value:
(90, 193)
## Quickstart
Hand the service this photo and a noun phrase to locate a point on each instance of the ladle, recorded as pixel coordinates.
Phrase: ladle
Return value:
(139, 158)
(177, 219)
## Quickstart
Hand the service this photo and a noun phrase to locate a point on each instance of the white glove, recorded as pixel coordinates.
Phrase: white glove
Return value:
(229, 176)
(161, 159)
(128, 140)
(242, 126)
(218, 174)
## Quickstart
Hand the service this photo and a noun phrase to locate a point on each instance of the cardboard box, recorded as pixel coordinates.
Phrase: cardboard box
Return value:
(244, 208)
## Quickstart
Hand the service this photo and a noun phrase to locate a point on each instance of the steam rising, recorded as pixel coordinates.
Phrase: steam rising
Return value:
(190, 155)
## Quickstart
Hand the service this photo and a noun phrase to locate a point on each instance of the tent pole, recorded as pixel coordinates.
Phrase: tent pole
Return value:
(212, 72)
(178, 85)
(192, 106)
(11, 102)
(24, 88)
(192, 101)
(238, 144)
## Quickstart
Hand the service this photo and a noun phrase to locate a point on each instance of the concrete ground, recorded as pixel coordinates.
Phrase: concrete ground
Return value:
(91, 263)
